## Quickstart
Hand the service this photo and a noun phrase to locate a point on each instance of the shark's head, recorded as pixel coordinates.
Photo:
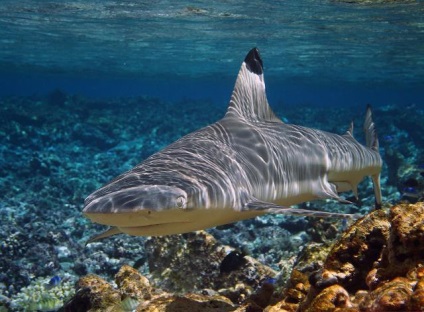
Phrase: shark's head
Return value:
(135, 206)
(147, 210)
(136, 198)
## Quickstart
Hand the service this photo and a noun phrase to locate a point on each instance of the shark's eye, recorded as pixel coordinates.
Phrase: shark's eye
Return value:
(181, 202)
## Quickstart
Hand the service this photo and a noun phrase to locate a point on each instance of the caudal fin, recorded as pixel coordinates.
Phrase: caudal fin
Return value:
(370, 131)
(372, 143)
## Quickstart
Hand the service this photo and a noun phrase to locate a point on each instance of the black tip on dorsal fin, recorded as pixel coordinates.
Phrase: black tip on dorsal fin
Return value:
(254, 62)
(248, 100)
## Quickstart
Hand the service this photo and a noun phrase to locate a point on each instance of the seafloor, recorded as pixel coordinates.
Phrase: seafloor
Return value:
(57, 149)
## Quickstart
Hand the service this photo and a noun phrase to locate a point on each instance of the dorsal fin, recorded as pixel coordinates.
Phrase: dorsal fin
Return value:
(349, 131)
(248, 100)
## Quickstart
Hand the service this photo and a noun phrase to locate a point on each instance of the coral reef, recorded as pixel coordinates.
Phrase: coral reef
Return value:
(57, 149)
(189, 269)
(134, 292)
(377, 265)
(168, 257)
(41, 295)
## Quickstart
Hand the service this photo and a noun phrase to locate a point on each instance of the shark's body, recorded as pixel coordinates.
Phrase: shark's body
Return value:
(247, 164)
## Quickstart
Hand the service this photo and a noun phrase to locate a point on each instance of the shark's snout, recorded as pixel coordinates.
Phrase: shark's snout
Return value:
(123, 206)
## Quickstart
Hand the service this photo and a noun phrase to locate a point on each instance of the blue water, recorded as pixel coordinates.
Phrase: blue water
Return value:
(214, 90)
(89, 88)
(318, 52)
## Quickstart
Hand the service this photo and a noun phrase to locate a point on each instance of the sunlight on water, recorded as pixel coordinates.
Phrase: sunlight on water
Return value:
(301, 39)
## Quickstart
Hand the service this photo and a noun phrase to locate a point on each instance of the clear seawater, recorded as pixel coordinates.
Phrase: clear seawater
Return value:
(89, 88)
(317, 51)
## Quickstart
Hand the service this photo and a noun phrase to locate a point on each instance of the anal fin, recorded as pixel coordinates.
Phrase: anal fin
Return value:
(347, 186)
(330, 191)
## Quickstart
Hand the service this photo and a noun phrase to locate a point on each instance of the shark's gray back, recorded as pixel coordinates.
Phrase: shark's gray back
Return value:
(268, 160)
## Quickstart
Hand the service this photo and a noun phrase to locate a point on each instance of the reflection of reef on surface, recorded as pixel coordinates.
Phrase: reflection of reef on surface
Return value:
(374, 1)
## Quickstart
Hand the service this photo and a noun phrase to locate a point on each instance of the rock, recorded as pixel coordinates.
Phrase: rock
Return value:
(294, 293)
(417, 298)
(330, 299)
(406, 242)
(132, 284)
(392, 296)
(311, 254)
(355, 254)
(182, 264)
(188, 302)
(193, 262)
(94, 295)
(377, 265)
(134, 292)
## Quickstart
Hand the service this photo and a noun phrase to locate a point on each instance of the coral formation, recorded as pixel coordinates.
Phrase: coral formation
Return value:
(134, 291)
(377, 265)
(41, 295)
(56, 150)
(94, 294)
(132, 284)
(372, 253)
(168, 257)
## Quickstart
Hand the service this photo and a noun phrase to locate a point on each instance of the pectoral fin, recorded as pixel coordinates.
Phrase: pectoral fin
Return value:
(107, 233)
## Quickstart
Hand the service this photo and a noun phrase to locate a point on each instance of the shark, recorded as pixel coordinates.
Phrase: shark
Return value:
(247, 164)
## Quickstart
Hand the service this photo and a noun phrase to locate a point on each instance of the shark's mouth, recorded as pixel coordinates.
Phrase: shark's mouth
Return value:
(137, 219)
(155, 224)
(165, 228)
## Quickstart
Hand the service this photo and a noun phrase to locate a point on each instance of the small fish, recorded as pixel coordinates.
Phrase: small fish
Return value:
(233, 261)
(269, 280)
(410, 192)
(54, 281)
(343, 225)
(410, 189)
(421, 169)
(388, 138)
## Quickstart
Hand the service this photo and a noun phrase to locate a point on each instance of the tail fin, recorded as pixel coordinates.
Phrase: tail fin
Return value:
(372, 143)
(370, 132)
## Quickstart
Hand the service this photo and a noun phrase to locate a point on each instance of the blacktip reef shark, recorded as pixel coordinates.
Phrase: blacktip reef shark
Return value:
(247, 164)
